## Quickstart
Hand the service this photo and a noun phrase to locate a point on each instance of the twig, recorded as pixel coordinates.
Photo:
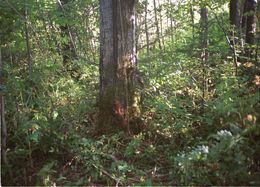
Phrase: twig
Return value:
(25, 21)
(107, 174)
(69, 163)
(232, 47)
(69, 29)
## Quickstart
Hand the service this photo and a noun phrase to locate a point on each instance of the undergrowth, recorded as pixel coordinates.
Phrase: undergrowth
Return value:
(51, 123)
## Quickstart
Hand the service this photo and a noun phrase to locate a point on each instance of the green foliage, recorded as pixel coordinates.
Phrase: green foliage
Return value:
(45, 172)
(225, 156)
(51, 115)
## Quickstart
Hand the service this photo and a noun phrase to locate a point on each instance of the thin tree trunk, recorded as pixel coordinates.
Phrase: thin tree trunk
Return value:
(235, 16)
(257, 57)
(171, 22)
(251, 22)
(235, 21)
(92, 41)
(146, 29)
(29, 56)
(192, 20)
(161, 25)
(157, 25)
(136, 37)
(244, 18)
(241, 5)
(204, 54)
(4, 158)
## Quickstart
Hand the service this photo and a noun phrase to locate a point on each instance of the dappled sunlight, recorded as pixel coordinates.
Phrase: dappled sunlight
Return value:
(156, 93)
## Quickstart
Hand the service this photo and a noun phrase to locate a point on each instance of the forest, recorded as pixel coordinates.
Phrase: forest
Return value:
(130, 92)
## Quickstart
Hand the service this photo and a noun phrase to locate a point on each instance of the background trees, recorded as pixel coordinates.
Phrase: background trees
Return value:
(199, 116)
(243, 37)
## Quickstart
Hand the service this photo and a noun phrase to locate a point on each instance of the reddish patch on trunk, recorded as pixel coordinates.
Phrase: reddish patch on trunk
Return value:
(119, 113)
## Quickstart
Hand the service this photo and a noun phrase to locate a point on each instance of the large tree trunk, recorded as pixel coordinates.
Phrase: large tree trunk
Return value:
(118, 102)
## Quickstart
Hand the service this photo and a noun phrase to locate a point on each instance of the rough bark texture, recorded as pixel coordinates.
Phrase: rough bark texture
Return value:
(251, 21)
(250, 40)
(236, 40)
(118, 101)
(244, 17)
(236, 11)
(2, 118)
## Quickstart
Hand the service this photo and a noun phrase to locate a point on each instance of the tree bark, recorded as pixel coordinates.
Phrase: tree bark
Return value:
(118, 99)
(251, 21)
(236, 39)
(171, 24)
(2, 117)
(235, 15)
(257, 57)
(192, 20)
(146, 29)
(29, 54)
(161, 25)
(204, 53)
(251, 68)
(157, 25)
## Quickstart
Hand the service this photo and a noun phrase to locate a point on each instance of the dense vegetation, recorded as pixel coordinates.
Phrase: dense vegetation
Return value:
(200, 116)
